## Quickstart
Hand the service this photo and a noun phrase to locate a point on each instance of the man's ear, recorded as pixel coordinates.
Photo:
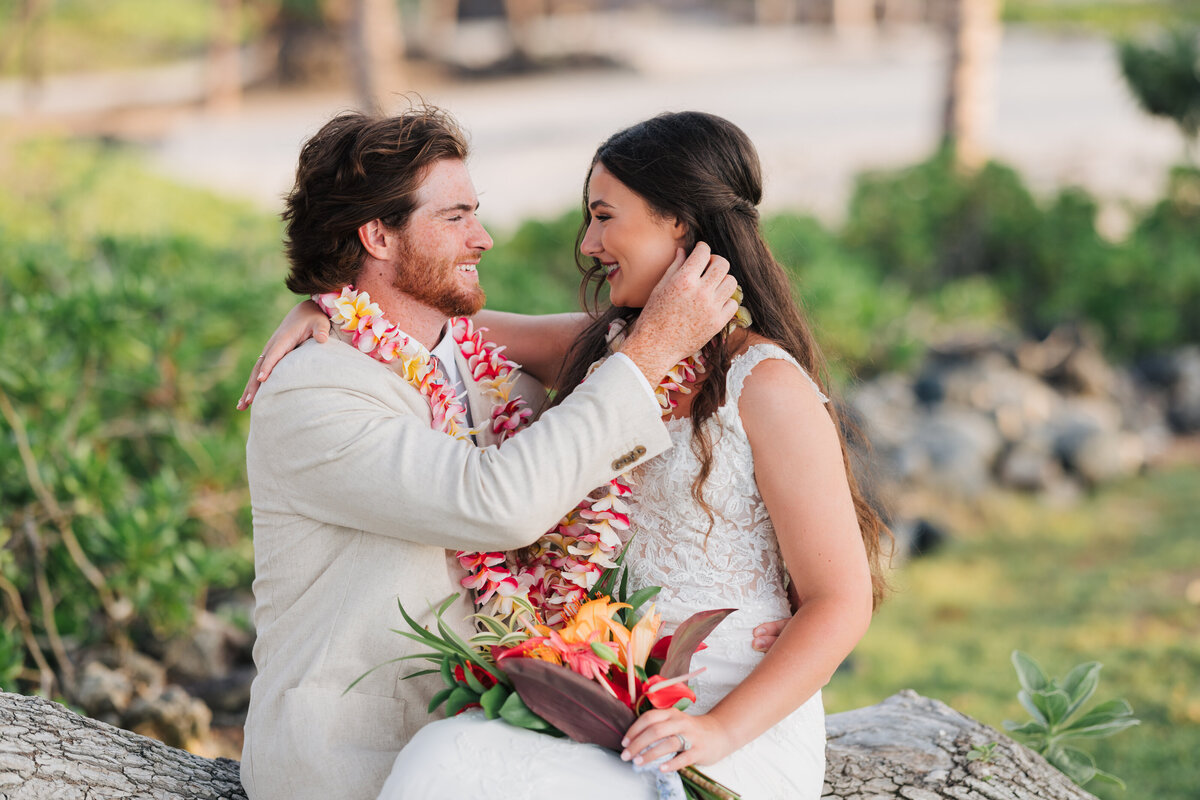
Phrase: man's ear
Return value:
(376, 239)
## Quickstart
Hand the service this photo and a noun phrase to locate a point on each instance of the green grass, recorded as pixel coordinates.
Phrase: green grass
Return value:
(1108, 17)
(1104, 581)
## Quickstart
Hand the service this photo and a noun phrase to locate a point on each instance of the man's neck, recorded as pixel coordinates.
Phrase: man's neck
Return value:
(418, 320)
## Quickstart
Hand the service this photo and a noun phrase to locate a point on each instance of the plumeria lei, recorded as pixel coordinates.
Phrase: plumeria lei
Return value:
(375, 335)
(556, 573)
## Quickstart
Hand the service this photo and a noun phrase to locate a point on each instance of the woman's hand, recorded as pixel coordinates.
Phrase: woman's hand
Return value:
(660, 731)
(306, 320)
(767, 634)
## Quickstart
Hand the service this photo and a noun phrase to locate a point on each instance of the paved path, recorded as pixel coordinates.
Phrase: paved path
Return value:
(820, 109)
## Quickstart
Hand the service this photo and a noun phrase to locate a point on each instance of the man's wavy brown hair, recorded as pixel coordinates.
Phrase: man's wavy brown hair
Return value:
(359, 168)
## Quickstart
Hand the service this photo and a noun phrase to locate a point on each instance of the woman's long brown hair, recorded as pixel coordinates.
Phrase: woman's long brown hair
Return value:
(704, 172)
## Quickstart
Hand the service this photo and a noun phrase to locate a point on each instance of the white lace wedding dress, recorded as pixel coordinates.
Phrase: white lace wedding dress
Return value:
(736, 564)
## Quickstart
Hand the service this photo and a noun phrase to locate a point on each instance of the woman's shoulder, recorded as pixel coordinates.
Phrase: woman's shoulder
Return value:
(770, 377)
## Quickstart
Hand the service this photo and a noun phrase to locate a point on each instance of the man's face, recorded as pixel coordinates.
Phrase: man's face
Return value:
(442, 242)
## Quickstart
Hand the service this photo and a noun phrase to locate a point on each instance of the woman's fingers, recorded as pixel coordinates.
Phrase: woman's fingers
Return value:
(653, 735)
(765, 635)
(320, 330)
(252, 384)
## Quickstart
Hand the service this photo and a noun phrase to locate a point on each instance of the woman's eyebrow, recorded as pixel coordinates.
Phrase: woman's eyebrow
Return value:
(598, 203)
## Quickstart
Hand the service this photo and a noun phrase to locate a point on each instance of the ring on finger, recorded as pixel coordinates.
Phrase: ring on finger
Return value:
(261, 356)
(684, 744)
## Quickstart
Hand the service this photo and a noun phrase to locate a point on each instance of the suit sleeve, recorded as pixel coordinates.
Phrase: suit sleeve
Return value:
(344, 456)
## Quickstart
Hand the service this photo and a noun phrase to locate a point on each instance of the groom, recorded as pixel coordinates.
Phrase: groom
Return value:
(358, 501)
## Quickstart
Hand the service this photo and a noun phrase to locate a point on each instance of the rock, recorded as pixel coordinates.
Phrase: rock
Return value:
(209, 651)
(887, 408)
(961, 447)
(228, 695)
(1106, 456)
(1069, 357)
(104, 693)
(1184, 395)
(1077, 419)
(149, 677)
(917, 537)
(1030, 466)
(173, 717)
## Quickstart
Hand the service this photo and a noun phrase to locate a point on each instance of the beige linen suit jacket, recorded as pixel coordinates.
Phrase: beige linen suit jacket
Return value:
(358, 502)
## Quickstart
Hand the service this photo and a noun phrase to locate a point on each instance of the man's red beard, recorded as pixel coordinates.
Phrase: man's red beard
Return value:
(432, 281)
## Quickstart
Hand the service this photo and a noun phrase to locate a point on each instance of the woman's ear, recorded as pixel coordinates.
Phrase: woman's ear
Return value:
(376, 239)
(683, 236)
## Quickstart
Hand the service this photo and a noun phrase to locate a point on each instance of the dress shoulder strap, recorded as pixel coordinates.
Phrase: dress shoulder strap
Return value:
(742, 364)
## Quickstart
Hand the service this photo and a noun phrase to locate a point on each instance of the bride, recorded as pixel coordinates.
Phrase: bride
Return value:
(756, 496)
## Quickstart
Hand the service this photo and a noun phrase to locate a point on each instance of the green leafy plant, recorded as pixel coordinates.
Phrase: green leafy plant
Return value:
(983, 753)
(1164, 77)
(1052, 702)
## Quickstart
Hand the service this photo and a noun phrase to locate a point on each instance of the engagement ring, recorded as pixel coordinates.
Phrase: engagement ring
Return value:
(684, 744)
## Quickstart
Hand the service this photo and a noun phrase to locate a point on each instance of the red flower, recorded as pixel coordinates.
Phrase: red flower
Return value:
(619, 683)
(668, 695)
(486, 678)
(660, 648)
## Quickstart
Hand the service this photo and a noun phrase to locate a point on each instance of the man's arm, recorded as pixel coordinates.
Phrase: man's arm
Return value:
(349, 457)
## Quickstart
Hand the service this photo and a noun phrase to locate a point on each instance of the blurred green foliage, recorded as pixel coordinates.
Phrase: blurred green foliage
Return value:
(85, 35)
(133, 311)
(1164, 75)
(930, 227)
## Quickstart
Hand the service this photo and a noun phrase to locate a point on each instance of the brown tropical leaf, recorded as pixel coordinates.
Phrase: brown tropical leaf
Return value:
(688, 636)
(578, 707)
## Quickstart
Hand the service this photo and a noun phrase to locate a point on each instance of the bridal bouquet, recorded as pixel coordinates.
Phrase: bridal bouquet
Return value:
(588, 677)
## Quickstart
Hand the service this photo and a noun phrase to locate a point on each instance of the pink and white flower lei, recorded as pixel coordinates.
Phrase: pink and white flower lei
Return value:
(557, 572)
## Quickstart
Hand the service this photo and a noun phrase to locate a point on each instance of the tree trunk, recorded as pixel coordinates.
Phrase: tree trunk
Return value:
(47, 751)
(905, 747)
(973, 31)
(915, 748)
(375, 47)
(224, 60)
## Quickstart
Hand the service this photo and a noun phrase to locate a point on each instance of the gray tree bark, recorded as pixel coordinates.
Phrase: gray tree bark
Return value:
(906, 747)
(48, 751)
(916, 748)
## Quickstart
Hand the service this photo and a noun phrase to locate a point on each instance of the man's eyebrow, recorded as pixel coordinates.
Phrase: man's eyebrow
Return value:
(458, 207)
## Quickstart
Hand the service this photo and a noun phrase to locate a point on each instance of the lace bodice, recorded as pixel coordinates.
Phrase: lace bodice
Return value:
(736, 564)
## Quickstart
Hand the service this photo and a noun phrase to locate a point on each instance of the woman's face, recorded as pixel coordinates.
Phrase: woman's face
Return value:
(634, 245)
